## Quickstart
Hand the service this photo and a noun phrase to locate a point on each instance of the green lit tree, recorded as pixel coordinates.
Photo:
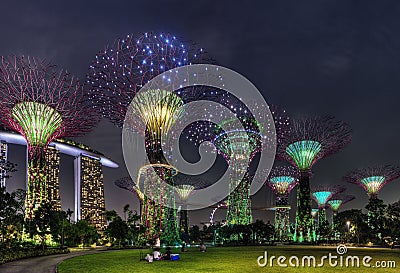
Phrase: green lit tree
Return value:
(309, 140)
(42, 104)
(321, 195)
(372, 180)
(282, 180)
(336, 203)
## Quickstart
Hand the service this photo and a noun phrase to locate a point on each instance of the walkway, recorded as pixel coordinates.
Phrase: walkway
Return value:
(44, 264)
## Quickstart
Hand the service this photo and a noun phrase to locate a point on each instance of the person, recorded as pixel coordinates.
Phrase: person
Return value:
(149, 258)
(157, 254)
(168, 253)
(203, 247)
(183, 247)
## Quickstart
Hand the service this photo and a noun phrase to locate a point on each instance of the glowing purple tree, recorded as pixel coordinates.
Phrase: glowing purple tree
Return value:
(120, 70)
(42, 103)
(282, 180)
(309, 140)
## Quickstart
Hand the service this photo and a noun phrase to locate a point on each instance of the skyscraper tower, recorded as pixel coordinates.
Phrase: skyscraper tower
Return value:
(52, 158)
(89, 191)
(3, 158)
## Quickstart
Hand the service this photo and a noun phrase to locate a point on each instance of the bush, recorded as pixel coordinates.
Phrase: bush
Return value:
(12, 255)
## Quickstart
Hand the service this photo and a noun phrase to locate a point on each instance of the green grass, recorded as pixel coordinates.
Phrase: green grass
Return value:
(229, 259)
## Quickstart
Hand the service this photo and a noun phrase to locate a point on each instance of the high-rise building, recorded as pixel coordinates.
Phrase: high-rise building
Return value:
(89, 191)
(3, 158)
(52, 157)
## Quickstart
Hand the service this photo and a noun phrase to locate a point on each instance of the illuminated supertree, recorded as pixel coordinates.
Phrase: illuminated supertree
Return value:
(372, 179)
(152, 113)
(321, 195)
(184, 191)
(336, 203)
(238, 146)
(127, 183)
(282, 180)
(42, 104)
(309, 140)
(122, 69)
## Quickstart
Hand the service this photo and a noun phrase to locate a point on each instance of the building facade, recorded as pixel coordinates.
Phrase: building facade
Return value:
(3, 158)
(89, 191)
(52, 157)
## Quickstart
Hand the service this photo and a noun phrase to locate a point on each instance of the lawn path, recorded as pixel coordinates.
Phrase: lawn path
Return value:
(44, 264)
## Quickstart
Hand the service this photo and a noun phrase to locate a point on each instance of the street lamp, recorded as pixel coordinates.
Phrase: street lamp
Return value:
(348, 231)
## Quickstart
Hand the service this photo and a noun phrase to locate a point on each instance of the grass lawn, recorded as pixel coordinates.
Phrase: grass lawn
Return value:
(223, 259)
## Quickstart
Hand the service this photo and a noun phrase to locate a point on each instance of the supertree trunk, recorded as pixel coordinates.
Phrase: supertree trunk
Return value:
(170, 234)
(304, 221)
(282, 223)
(36, 180)
(239, 206)
(183, 221)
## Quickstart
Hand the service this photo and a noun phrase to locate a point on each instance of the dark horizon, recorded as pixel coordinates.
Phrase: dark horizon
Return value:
(315, 58)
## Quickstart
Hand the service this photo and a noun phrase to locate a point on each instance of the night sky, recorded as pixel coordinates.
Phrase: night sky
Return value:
(310, 57)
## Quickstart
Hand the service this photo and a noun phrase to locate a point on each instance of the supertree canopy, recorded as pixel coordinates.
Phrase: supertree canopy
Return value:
(307, 141)
(122, 69)
(42, 104)
(323, 193)
(282, 180)
(127, 183)
(372, 179)
(336, 202)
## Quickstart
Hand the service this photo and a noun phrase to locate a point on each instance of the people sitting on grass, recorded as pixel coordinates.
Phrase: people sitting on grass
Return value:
(167, 255)
(157, 254)
(203, 247)
(149, 258)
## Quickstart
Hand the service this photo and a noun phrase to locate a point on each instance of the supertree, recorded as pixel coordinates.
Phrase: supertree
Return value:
(184, 191)
(127, 183)
(336, 203)
(321, 195)
(240, 145)
(155, 111)
(282, 180)
(120, 70)
(42, 104)
(234, 145)
(115, 78)
(309, 140)
(372, 179)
